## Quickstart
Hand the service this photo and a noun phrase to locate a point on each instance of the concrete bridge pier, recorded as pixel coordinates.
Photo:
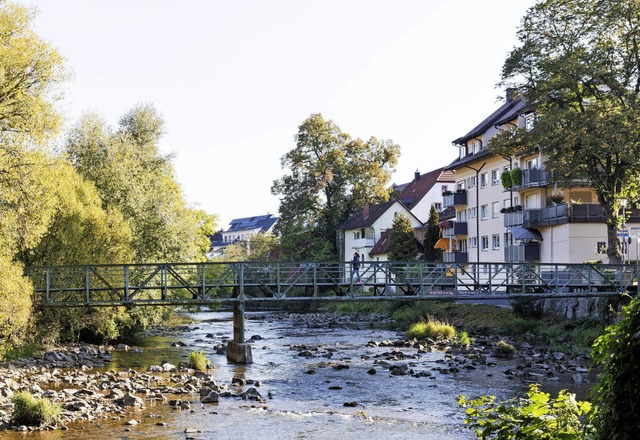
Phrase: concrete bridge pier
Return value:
(237, 350)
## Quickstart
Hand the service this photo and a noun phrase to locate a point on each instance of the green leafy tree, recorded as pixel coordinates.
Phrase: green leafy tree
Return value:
(403, 245)
(258, 247)
(329, 176)
(432, 236)
(30, 72)
(615, 394)
(578, 65)
(132, 176)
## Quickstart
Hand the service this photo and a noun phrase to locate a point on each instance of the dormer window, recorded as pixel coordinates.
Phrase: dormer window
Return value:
(475, 146)
(528, 122)
(463, 151)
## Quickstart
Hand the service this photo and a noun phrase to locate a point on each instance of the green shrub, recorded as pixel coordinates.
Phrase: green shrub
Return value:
(536, 417)
(504, 350)
(431, 329)
(198, 361)
(30, 411)
(506, 180)
(516, 176)
(462, 340)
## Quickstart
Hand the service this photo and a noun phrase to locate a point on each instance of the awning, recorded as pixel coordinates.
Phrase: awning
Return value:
(526, 234)
(442, 243)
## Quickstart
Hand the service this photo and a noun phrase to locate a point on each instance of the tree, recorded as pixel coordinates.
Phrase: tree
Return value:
(132, 176)
(403, 245)
(616, 392)
(578, 65)
(257, 247)
(329, 176)
(432, 236)
(30, 71)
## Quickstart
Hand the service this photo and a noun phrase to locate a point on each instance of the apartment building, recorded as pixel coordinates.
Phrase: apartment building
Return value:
(509, 209)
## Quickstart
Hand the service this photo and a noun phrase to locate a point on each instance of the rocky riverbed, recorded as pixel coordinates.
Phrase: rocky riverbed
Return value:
(79, 377)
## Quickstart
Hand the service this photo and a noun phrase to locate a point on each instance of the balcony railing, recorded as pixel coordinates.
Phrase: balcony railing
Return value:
(457, 198)
(561, 214)
(513, 218)
(522, 252)
(455, 257)
(458, 228)
(363, 243)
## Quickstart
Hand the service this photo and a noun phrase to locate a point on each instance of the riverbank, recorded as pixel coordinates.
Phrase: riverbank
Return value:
(88, 384)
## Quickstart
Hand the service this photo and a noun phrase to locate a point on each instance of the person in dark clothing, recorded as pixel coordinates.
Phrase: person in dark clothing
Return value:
(355, 266)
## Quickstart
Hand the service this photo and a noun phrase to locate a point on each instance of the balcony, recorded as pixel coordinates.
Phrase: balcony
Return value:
(513, 218)
(458, 228)
(534, 178)
(362, 243)
(563, 213)
(457, 198)
(522, 252)
(455, 257)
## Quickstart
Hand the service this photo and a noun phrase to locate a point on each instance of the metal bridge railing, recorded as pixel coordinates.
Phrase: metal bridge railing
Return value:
(204, 283)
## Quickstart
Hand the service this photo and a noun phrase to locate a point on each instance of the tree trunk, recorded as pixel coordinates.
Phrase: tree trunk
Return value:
(613, 244)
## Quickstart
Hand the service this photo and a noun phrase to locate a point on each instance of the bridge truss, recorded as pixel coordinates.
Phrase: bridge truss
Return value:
(239, 282)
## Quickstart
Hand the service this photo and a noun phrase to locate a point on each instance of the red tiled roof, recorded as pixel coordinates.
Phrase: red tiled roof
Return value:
(358, 220)
(415, 190)
(382, 245)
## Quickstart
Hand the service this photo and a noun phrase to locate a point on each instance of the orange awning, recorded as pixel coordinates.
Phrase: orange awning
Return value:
(442, 243)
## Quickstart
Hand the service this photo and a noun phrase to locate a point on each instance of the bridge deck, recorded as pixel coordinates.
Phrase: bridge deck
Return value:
(207, 283)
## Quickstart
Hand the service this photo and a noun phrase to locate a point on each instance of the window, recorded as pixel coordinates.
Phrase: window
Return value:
(528, 122)
(484, 212)
(460, 185)
(438, 206)
(601, 247)
(462, 216)
(495, 177)
(532, 163)
(475, 145)
(472, 182)
(495, 209)
(463, 152)
(356, 235)
(473, 242)
(495, 241)
(516, 201)
(485, 242)
(473, 212)
(506, 169)
(445, 188)
(484, 180)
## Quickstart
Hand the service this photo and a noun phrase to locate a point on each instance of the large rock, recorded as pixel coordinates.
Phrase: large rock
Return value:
(131, 400)
(212, 397)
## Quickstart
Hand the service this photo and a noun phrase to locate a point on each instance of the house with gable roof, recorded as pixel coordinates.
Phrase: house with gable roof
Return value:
(363, 231)
(425, 191)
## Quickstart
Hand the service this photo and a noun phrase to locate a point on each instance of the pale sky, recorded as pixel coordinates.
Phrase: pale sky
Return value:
(233, 80)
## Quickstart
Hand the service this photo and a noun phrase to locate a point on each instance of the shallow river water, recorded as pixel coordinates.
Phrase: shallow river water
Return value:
(301, 405)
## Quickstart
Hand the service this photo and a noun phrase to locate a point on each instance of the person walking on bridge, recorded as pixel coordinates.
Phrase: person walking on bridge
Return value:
(355, 267)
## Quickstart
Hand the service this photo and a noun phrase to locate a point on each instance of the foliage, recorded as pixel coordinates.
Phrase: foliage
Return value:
(31, 411)
(258, 247)
(504, 350)
(516, 177)
(505, 177)
(431, 329)
(431, 237)
(578, 66)
(132, 176)
(15, 302)
(198, 361)
(31, 70)
(330, 175)
(462, 339)
(403, 245)
(536, 417)
(616, 393)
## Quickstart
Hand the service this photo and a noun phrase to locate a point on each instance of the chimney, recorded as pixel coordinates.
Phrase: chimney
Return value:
(417, 175)
(365, 210)
(510, 93)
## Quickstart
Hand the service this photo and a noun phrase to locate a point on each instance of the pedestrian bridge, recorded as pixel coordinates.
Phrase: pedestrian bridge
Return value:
(240, 282)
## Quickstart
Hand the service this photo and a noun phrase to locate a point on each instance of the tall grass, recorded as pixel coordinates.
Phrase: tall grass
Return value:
(431, 329)
(30, 411)
(198, 361)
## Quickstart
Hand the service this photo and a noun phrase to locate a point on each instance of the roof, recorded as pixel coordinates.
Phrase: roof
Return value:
(382, 245)
(506, 112)
(217, 240)
(412, 192)
(264, 222)
(358, 220)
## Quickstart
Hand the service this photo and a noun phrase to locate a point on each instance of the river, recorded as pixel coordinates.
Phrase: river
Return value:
(305, 395)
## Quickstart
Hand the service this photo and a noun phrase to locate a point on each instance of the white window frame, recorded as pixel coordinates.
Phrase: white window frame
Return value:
(484, 180)
(460, 185)
(495, 177)
(473, 182)
(473, 212)
(475, 146)
(484, 241)
(495, 241)
(484, 212)
(495, 209)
